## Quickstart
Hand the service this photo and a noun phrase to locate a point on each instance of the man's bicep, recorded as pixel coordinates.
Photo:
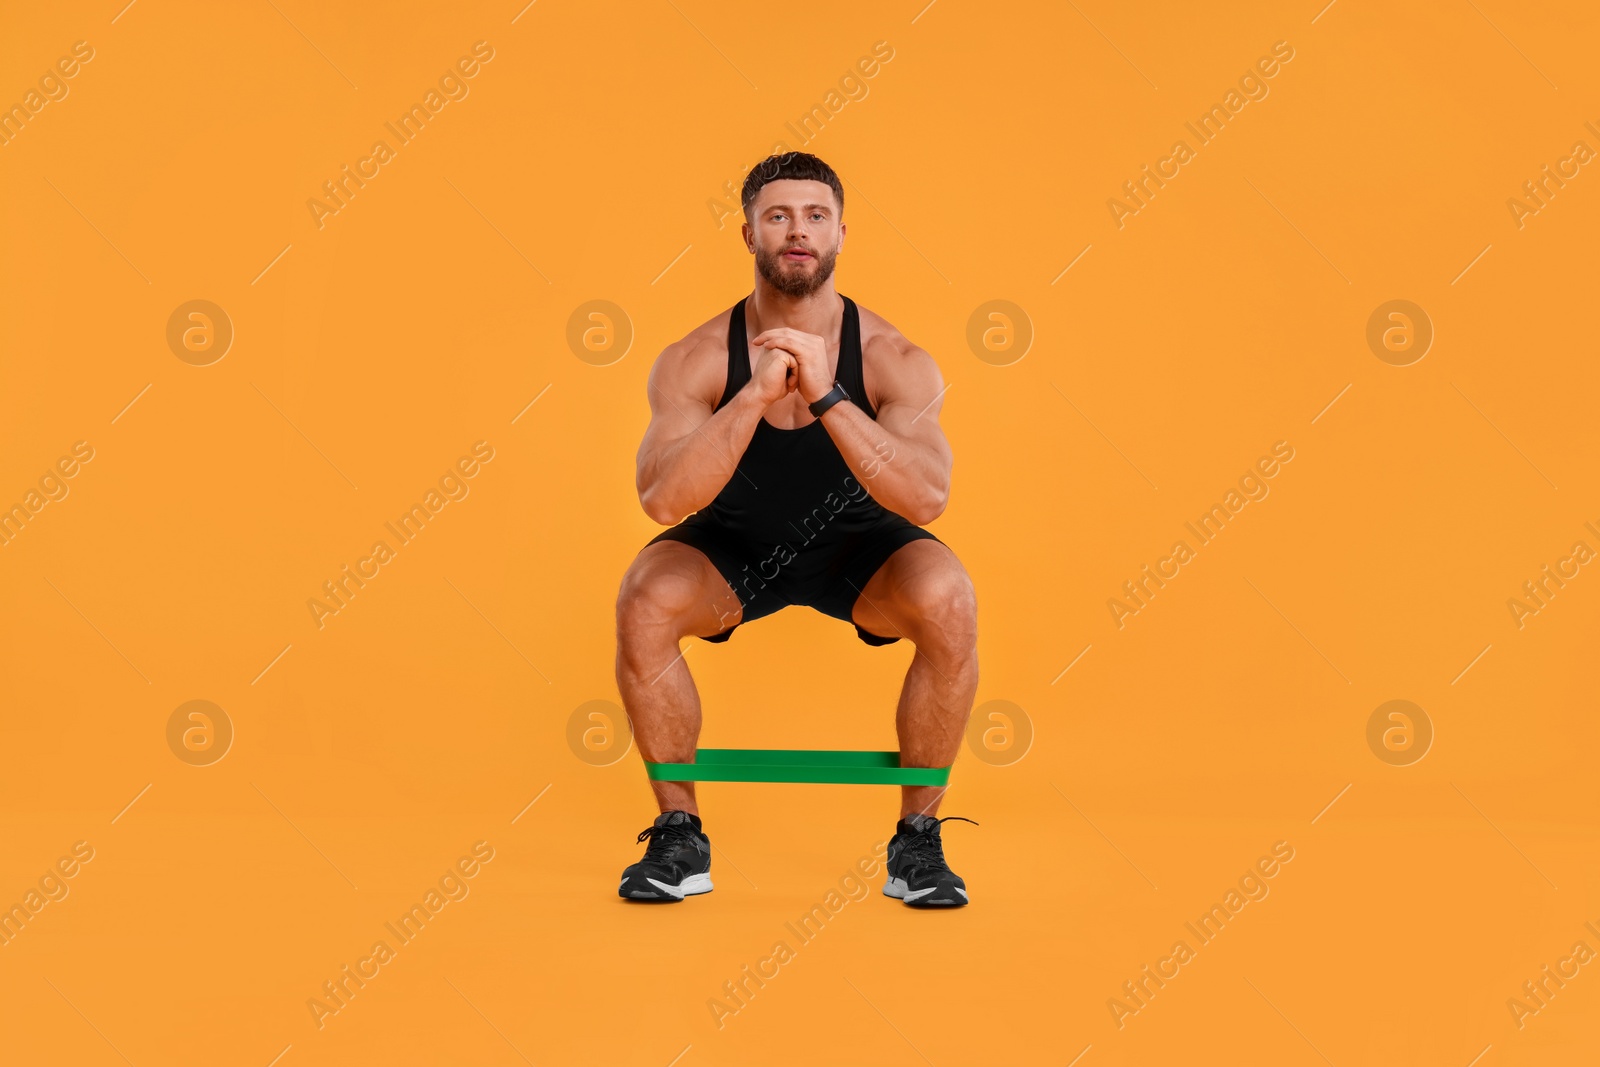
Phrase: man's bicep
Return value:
(912, 400)
(676, 408)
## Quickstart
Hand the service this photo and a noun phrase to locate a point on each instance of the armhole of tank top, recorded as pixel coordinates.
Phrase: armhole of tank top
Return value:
(731, 383)
(856, 383)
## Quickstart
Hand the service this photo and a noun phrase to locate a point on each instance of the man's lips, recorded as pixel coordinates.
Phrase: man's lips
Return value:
(797, 253)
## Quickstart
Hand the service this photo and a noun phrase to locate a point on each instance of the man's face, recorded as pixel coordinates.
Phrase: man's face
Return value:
(795, 232)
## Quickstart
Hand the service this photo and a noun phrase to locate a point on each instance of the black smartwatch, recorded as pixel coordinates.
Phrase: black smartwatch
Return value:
(833, 396)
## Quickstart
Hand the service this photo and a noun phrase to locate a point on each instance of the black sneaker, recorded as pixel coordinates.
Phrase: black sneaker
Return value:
(918, 874)
(677, 862)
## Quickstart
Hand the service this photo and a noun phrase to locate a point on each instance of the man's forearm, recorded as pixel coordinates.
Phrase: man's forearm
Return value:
(687, 475)
(908, 479)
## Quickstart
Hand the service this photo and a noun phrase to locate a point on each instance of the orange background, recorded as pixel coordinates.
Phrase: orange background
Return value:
(371, 353)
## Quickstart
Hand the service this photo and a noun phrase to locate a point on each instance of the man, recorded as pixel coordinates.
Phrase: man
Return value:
(802, 431)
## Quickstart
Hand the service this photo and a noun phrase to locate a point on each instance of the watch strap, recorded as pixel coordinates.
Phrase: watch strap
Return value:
(832, 397)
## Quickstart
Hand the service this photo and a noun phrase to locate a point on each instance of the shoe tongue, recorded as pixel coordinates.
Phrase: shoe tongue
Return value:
(919, 822)
(674, 818)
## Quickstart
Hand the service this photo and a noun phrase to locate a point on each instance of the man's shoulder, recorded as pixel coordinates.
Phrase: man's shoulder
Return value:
(697, 363)
(703, 347)
(706, 339)
(892, 366)
(884, 344)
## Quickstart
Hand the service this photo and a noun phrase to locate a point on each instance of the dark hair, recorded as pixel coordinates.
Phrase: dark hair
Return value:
(798, 166)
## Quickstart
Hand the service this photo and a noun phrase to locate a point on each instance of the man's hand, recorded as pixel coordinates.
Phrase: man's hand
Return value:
(774, 376)
(809, 353)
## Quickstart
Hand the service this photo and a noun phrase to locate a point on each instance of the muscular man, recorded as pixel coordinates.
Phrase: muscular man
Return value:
(802, 432)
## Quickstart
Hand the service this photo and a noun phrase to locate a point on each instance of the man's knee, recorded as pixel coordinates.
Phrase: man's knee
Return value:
(652, 598)
(942, 609)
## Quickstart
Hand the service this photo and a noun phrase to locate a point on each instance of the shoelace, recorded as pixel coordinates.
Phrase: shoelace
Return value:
(923, 850)
(663, 839)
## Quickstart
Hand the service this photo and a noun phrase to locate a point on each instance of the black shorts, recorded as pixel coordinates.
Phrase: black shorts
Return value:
(827, 574)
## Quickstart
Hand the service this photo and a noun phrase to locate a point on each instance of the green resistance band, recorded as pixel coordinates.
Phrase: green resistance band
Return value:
(796, 765)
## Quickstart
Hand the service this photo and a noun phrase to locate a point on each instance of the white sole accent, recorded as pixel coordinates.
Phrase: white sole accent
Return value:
(897, 888)
(691, 886)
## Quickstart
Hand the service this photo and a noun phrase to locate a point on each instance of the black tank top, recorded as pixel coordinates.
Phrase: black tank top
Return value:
(793, 486)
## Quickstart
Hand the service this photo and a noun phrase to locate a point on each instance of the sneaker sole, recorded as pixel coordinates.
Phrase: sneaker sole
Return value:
(654, 889)
(922, 898)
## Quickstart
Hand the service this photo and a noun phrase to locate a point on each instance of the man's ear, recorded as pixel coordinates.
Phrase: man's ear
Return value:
(746, 232)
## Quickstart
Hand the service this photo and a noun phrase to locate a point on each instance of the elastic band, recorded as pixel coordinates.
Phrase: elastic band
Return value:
(797, 765)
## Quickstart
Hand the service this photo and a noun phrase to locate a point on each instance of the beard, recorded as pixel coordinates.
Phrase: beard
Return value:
(795, 280)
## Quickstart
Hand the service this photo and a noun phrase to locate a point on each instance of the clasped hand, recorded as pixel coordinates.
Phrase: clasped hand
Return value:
(809, 372)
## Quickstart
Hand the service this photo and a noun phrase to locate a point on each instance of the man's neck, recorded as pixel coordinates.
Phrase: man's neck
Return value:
(821, 313)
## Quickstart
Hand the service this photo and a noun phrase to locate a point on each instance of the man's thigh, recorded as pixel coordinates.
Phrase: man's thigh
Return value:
(742, 595)
(897, 600)
(683, 582)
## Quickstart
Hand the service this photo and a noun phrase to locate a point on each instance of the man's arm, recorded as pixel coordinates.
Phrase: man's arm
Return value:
(903, 458)
(688, 453)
